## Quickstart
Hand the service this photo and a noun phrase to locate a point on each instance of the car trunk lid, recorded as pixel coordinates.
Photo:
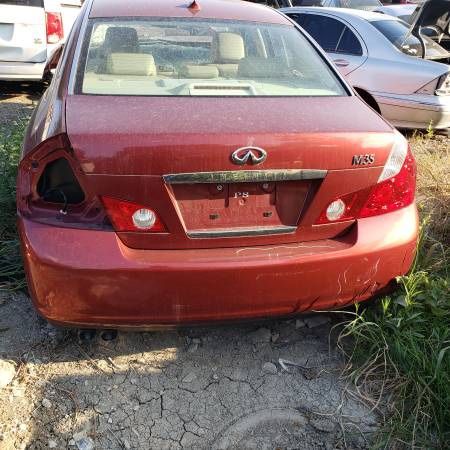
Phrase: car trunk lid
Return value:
(176, 156)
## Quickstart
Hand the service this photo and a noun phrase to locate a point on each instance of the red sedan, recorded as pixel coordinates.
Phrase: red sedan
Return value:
(205, 161)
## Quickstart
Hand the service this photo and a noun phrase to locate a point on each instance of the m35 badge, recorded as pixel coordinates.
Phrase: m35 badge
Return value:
(363, 160)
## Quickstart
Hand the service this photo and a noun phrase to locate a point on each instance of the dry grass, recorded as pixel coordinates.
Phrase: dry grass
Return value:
(433, 182)
(399, 351)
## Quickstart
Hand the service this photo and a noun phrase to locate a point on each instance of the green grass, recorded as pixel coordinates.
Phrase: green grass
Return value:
(399, 357)
(398, 347)
(11, 269)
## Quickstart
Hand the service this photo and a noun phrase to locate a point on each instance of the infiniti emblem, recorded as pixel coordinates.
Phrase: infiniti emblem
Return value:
(252, 155)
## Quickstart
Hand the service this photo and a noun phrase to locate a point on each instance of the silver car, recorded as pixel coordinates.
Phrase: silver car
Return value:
(384, 62)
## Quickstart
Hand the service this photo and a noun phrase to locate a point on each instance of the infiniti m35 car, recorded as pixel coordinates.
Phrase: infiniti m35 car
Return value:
(204, 161)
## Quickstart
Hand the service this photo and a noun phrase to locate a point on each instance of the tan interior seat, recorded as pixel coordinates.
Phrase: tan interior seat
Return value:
(139, 64)
(199, 72)
(227, 49)
(117, 40)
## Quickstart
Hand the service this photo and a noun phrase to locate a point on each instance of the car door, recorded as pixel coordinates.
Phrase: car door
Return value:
(22, 31)
(336, 37)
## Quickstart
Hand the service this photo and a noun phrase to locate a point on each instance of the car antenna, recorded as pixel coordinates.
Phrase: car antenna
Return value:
(194, 6)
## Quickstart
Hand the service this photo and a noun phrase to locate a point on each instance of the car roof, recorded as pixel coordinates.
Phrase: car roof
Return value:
(369, 16)
(209, 9)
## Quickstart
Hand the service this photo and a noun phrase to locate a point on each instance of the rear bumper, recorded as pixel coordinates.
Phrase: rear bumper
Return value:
(415, 111)
(89, 278)
(21, 71)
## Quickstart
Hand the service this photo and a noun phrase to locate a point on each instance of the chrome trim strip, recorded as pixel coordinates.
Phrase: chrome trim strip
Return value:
(237, 232)
(245, 176)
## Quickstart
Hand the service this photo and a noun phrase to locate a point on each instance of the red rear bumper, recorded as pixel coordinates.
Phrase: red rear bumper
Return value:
(89, 278)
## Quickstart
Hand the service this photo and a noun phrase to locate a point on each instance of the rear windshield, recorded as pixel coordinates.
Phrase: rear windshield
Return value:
(195, 57)
(399, 35)
(39, 3)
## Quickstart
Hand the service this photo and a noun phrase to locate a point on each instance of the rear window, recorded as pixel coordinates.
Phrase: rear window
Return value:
(399, 35)
(38, 3)
(165, 57)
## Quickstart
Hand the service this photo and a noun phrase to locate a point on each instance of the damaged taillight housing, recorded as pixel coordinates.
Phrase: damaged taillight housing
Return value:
(45, 173)
(394, 190)
(50, 187)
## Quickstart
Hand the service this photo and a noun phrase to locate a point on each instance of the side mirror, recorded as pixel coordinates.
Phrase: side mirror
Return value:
(52, 63)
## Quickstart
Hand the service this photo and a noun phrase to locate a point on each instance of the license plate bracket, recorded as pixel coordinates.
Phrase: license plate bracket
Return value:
(227, 206)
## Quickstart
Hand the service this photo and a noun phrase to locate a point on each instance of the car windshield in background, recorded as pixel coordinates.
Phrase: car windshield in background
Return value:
(361, 4)
(399, 35)
(201, 57)
(308, 2)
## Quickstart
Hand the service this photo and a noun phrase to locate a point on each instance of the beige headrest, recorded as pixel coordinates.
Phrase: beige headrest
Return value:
(131, 64)
(201, 72)
(228, 47)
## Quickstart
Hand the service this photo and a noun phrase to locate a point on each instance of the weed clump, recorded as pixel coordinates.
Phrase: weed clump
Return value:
(11, 269)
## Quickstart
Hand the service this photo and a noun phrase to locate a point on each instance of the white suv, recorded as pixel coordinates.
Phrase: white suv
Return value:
(30, 31)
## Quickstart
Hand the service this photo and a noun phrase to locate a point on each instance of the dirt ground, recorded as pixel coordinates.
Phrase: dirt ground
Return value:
(263, 385)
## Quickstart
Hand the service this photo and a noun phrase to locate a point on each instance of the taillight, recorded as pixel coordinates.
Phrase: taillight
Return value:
(443, 87)
(55, 30)
(395, 189)
(128, 216)
(349, 205)
(393, 193)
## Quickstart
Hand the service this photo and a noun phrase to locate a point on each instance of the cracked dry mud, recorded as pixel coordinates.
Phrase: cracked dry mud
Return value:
(197, 388)
(192, 388)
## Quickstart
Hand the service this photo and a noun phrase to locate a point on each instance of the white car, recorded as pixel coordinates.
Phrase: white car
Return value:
(384, 62)
(30, 31)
